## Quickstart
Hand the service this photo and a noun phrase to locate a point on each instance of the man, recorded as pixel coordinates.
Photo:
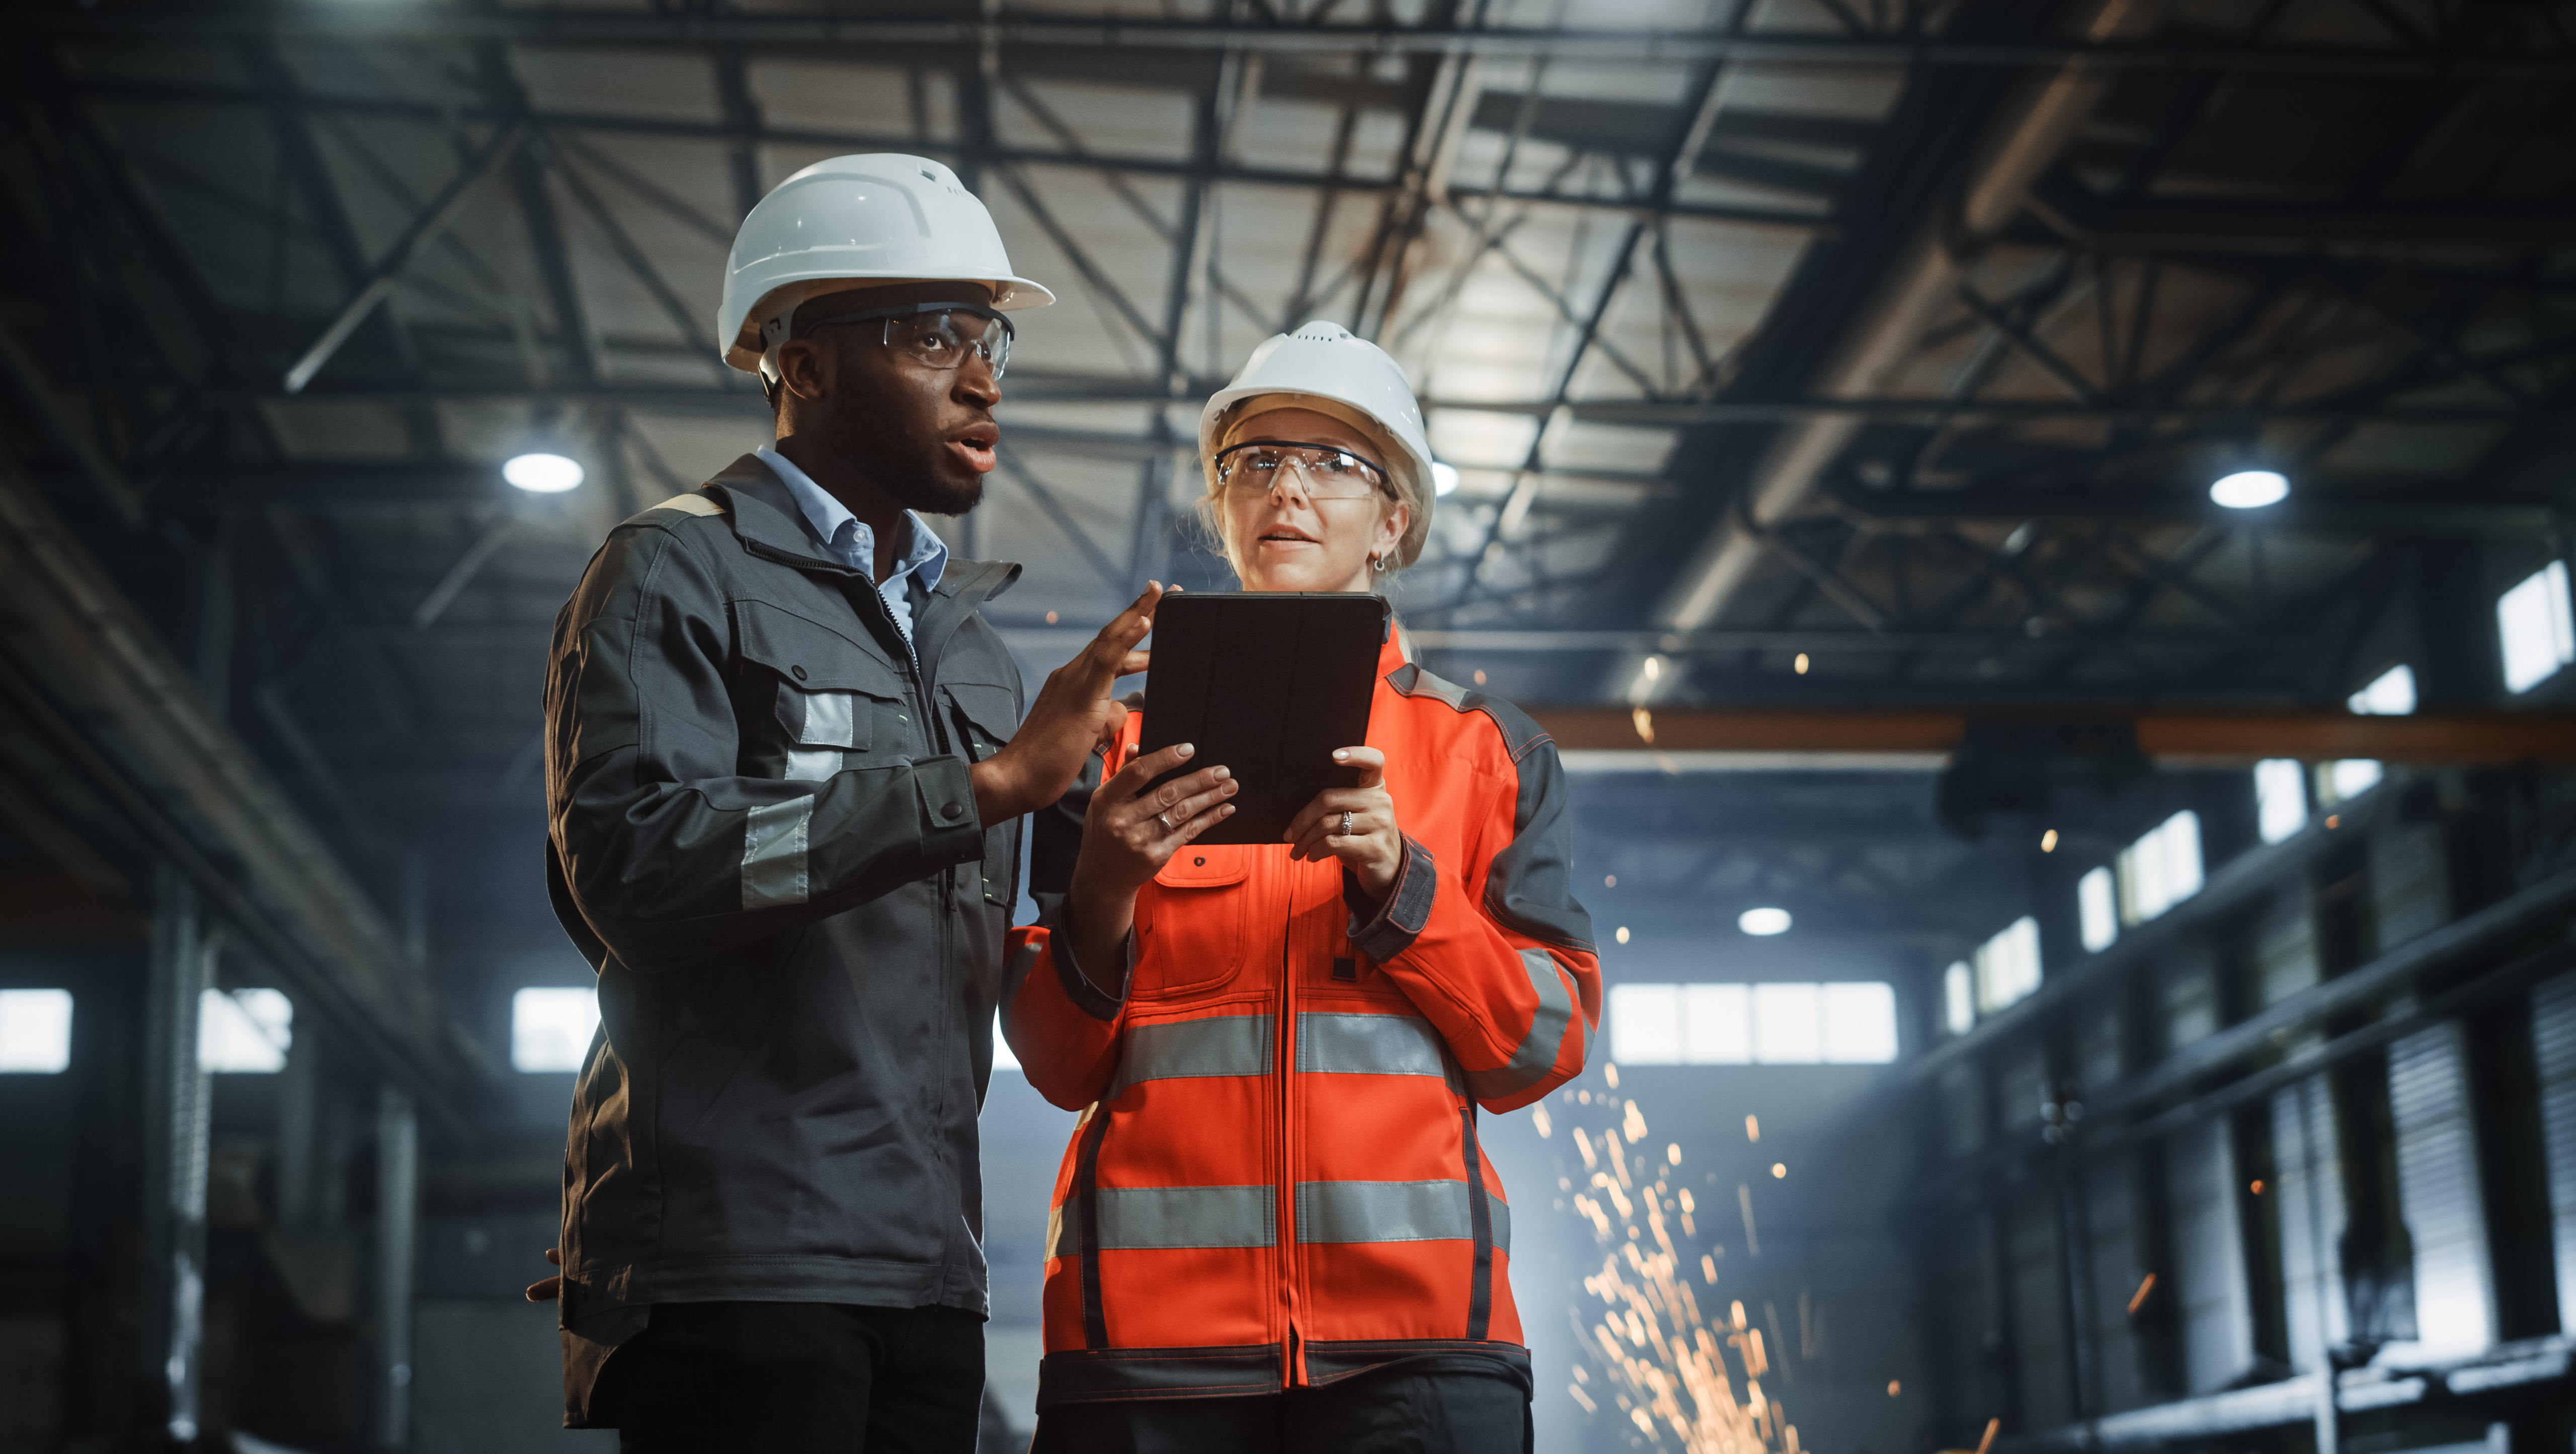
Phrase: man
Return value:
(785, 761)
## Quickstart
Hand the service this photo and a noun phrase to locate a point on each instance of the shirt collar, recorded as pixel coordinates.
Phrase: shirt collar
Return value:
(924, 554)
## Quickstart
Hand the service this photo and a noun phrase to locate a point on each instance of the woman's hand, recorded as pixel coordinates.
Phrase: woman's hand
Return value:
(1128, 834)
(1372, 847)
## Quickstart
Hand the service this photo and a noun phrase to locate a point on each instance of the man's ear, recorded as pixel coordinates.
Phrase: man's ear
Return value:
(805, 368)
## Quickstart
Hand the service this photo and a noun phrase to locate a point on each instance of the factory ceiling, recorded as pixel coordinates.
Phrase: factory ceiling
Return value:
(1835, 352)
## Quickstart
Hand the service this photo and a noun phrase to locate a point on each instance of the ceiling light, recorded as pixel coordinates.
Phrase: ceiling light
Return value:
(2250, 489)
(542, 474)
(1764, 921)
(1444, 477)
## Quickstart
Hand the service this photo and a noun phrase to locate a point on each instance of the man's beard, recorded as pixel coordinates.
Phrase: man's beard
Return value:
(932, 496)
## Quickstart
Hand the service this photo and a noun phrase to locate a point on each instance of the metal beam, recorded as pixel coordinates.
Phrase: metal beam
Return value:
(2288, 229)
(2174, 735)
(805, 33)
(379, 282)
(731, 134)
(2361, 514)
(1633, 413)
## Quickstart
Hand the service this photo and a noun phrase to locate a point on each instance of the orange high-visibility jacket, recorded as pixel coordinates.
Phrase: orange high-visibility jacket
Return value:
(1276, 1178)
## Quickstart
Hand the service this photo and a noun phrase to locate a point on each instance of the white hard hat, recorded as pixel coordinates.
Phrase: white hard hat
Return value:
(1328, 362)
(879, 218)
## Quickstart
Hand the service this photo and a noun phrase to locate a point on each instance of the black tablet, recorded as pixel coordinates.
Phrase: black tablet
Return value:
(1267, 683)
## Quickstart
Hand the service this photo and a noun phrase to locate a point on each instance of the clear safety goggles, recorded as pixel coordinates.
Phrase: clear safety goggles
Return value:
(1325, 472)
(940, 335)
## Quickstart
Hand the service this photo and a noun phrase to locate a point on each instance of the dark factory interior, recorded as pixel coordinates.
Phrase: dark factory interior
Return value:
(2038, 529)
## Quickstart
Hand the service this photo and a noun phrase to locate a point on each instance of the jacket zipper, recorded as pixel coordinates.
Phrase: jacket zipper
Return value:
(1293, 1354)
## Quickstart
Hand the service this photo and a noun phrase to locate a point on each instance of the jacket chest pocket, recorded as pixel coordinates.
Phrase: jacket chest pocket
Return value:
(982, 716)
(813, 697)
(987, 713)
(1193, 920)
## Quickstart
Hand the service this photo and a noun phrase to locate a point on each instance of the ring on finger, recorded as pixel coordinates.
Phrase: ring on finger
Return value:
(1164, 818)
(1346, 825)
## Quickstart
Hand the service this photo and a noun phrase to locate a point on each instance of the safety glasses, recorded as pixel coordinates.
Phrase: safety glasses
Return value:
(940, 335)
(1326, 472)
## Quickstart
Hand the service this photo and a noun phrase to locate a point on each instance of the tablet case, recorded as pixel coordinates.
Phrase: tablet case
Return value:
(1267, 683)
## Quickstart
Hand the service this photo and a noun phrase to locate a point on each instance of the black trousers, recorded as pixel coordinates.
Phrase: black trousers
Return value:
(1391, 1411)
(796, 1378)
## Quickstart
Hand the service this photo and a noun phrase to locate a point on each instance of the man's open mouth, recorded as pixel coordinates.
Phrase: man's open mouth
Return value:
(975, 444)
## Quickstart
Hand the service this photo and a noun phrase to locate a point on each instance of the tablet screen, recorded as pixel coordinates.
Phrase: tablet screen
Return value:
(1268, 684)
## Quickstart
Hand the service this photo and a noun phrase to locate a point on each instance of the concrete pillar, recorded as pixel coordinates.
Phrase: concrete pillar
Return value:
(176, 1100)
(397, 1226)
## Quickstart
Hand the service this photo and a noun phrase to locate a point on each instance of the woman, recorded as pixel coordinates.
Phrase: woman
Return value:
(1273, 1228)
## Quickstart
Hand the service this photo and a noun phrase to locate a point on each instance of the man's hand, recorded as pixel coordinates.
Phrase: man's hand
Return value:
(552, 1288)
(1073, 717)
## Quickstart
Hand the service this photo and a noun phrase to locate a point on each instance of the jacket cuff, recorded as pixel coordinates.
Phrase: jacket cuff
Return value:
(1383, 931)
(951, 832)
(1090, 998)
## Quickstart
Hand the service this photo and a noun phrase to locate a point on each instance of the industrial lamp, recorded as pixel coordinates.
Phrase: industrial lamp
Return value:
(542, 473)
(2250, 489)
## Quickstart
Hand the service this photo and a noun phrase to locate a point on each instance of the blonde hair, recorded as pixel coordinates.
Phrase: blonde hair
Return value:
(1411, 491)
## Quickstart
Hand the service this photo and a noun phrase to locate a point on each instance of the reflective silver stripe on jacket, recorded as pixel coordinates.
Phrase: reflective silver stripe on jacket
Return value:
(1184, 1049)
(831, 726)
(1394, 1211)
(1330, 1044)
(1536, 1054)
(1137, 1218)
(773, 853)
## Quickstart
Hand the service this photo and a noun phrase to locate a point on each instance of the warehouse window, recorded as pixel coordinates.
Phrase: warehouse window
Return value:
(2007, 965)
(1761, 1024)
(2097, 910)
(35, 1031)
(2390, 694)
(2280, 798)
(246, 1032)
(2537, 628)
(1959, 998)
(550, 1028)
(2161, 869)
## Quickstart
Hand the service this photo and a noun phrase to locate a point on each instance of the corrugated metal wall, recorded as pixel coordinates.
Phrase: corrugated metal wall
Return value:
(2209, 1257)
(2438, 1191)
(2309, 1203)
(2553, 1034)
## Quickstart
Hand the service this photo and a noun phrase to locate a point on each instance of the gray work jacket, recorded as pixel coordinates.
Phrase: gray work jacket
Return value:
(762, 834)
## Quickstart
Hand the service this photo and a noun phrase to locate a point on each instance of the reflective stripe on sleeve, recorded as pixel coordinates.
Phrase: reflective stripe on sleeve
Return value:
(1184, 1049)
(1147, 1217)
(773, 853)
(1329, 1044)
(1536, 1054)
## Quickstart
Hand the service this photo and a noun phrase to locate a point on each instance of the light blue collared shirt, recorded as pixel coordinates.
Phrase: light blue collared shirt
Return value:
(847, 539)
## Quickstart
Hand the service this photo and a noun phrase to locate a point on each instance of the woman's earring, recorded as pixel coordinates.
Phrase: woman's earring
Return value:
(1377, 563)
